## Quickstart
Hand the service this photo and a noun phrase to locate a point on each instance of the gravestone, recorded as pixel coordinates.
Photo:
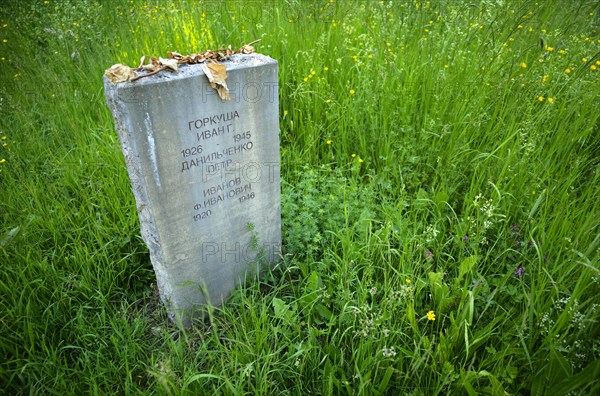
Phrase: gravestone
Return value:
(205, 176)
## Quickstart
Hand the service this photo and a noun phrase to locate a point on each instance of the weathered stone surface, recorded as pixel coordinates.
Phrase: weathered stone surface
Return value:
(205, 175)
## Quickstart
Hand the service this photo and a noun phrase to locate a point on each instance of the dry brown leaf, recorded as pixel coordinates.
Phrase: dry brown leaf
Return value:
(142, 61)
(247, 49)
(119, 73)
(215, 71)
(170, 63)
(217, 74)
(150, 66)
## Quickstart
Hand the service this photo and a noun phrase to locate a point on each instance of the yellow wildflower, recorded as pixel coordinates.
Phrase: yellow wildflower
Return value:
(523, 65)
(541, 98)
(550, 100)
(430, 315)
(352, 92)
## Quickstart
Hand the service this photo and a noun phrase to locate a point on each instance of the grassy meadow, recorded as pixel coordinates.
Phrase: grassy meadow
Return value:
(440, 202)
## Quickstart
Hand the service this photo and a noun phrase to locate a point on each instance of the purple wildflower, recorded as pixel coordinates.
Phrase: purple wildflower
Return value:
(428, 255)
(519, 272)
(517, 243)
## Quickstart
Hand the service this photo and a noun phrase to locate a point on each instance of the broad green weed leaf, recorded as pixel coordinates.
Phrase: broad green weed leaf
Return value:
(466, 266)
(281, 309)
(8, 236)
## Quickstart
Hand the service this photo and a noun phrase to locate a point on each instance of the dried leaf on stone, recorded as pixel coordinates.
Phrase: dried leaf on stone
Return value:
(247, 49)
(153, 65)
(170, 63)
(142, 61)
(119, 73)
(217, 74)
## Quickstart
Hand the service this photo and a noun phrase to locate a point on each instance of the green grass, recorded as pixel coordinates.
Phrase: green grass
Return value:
(429, 150)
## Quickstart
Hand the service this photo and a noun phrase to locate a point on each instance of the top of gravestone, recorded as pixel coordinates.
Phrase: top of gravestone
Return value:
(236, 61)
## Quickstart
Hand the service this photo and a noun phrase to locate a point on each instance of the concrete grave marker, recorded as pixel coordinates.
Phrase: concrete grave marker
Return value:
(205, 175)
